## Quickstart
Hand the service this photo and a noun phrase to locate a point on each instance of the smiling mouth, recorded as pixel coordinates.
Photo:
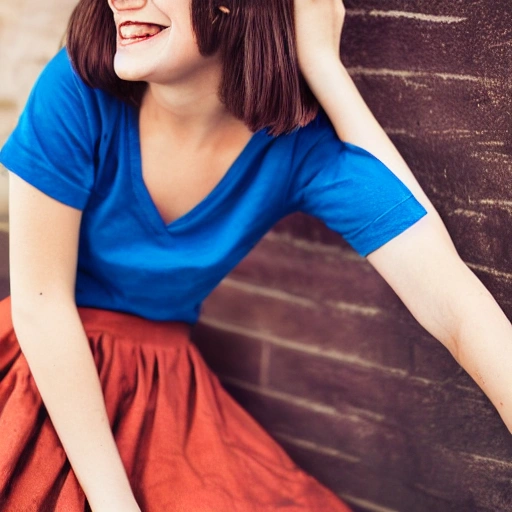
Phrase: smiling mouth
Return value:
(135, 32)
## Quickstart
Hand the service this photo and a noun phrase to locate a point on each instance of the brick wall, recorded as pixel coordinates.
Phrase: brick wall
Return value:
(310, 339)
(304, 333)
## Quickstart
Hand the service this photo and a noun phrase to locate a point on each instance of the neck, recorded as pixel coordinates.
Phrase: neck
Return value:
(190, 113)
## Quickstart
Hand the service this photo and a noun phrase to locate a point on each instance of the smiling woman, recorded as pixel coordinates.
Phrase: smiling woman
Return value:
(141, 174)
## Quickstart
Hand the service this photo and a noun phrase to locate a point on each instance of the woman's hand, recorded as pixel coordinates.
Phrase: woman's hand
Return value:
(318, 25)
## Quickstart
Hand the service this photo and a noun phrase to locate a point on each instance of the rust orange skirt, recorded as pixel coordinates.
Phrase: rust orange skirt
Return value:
(187, 446)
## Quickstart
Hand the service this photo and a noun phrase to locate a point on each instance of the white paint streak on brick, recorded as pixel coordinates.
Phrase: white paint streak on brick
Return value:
(300, 347)
(365, 504)
(458, 131)
(468, 213)
(491, 271)
(473, 390)
(491, 143)
(456, 134)
(299, 301)
(269, 292)
(481, 458)
(406, 74)
(503, 43)
(500, 203)
(432, 18)
(355, 308)
(399, 131)
(284, 397)
(314, 447)
(354, 414)
(492, 156)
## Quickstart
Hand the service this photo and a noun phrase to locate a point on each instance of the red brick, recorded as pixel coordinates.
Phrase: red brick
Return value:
(453, 474)
(483, 235)
(475, 46)
(380, 339)
(394, 469)
(376, 445)
(445, 413)
(437, 109)
(321, 276)
(359, 482)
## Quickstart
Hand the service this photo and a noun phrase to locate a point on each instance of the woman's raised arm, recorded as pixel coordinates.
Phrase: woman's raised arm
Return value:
(421, 264)
(319, 25)
(43, 258)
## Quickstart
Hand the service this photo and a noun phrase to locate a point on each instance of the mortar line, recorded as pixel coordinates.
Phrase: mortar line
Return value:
(318, 448)
(299, 347)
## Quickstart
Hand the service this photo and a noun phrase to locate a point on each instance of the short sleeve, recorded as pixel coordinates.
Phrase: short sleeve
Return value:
(353, 193)
(52, 148)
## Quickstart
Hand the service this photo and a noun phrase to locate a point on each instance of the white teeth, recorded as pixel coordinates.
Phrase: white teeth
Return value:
(136, 30)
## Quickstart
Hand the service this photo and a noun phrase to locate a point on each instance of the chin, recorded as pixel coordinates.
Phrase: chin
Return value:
(128, 70)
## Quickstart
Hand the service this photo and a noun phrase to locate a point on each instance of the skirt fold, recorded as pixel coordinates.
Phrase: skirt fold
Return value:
(187, 446)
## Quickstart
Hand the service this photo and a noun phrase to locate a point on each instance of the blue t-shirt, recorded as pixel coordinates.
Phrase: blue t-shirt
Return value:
(81, 146)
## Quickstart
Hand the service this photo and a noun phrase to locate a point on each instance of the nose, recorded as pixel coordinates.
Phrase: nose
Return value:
(125, 5)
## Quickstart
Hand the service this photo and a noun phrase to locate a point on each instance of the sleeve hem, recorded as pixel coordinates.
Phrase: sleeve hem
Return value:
(375, 234)
(51, 184)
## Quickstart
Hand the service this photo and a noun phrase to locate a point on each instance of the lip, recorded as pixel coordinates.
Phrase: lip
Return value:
(128, 42)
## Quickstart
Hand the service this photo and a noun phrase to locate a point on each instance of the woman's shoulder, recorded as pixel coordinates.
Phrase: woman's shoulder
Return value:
(59, 82)
(59, 77)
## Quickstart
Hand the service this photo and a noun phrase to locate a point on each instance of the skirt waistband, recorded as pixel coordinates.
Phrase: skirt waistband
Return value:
(125, 325)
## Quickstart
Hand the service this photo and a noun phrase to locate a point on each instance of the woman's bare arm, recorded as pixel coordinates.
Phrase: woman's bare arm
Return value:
(43, 256)
(421, 264)
(453, 305)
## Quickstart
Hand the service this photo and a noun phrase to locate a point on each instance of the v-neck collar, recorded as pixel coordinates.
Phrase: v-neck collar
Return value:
(200, 209)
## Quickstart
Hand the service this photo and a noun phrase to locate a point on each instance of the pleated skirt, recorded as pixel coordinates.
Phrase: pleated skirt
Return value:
(187, 446)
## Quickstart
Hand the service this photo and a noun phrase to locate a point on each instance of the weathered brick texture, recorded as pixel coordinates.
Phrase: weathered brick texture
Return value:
(304, 333)
(355, 390)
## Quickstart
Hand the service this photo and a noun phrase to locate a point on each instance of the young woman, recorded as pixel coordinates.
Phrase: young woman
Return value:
(134, 188)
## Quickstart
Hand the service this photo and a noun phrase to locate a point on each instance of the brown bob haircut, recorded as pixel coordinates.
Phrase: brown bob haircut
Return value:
(261, 85)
